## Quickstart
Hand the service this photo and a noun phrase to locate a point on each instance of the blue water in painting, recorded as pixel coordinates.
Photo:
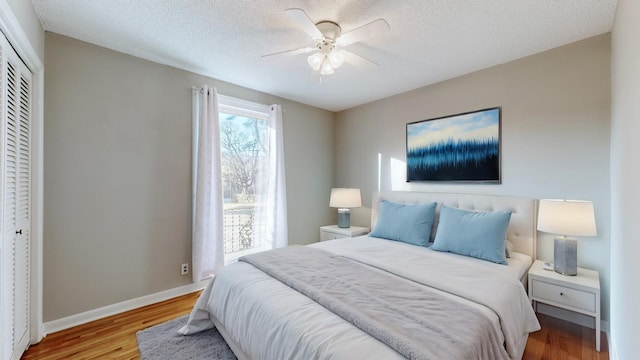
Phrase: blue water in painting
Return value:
(455, 160)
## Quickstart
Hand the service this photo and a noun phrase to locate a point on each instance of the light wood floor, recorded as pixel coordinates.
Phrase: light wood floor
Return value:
(114, 337)
(559, 339)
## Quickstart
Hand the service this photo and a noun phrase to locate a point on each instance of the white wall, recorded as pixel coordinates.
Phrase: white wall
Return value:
(625, 172)
(26, 15)
(555, 136)
(117, 211)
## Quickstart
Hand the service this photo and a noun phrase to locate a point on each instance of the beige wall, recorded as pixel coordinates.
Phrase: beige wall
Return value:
(555, 136)
(118, 174)
(625, 172)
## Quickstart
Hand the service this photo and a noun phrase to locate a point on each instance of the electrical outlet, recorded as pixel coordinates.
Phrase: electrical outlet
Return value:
(184, 269)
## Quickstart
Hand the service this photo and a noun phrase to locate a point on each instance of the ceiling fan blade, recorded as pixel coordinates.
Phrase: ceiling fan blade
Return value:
(358, 61)
(304, 22)
(303, 50)
(374, 28)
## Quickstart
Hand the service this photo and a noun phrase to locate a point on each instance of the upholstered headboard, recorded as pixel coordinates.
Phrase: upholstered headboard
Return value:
(522, 226)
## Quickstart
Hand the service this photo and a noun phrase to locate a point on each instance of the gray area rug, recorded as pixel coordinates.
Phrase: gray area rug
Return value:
(162, 342)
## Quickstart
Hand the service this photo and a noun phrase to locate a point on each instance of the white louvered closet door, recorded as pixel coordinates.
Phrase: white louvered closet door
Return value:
(15, 102)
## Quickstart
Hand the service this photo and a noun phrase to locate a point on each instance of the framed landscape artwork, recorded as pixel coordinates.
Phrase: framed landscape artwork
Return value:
(457, 148)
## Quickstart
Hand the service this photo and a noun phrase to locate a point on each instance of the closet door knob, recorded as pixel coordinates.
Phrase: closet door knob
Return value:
(19, 232)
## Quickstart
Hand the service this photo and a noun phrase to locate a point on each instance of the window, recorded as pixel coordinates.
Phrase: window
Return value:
(244, 150)
(239, 188)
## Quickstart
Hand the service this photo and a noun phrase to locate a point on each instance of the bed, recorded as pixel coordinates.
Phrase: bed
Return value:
(446, 305)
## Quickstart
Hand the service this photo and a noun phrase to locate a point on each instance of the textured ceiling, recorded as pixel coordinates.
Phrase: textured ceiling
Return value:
(429, 40)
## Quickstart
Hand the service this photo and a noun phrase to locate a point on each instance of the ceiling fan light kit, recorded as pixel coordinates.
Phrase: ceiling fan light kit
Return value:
(328, 36)
(328, 58)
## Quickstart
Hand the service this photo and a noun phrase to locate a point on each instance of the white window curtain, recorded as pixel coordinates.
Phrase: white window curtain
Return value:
(207, 241)
(208, 214)
(276, 203)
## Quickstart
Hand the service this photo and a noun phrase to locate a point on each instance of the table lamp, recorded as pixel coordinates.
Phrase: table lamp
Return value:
(566, 218)
(343, 199)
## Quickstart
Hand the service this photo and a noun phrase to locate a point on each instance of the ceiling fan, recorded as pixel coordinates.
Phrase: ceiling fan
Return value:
(329, 39)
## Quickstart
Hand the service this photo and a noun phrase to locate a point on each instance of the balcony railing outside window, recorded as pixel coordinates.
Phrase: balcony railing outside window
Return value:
(241, 233)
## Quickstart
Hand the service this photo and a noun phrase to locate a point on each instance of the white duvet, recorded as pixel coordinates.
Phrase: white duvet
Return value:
(268, 320)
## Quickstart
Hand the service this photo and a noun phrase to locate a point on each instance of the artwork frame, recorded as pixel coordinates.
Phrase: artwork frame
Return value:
(464, 147)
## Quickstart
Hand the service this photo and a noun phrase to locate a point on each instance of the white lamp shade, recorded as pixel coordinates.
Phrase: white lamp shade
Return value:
(567, 217)
(315, 60)
(345, 198)
(326, 68)
(336, 58)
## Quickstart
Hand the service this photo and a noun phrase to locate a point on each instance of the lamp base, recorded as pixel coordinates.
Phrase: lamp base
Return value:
(565, 256)
(344, 218)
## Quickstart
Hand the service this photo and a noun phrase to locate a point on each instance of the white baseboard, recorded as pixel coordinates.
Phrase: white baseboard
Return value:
(95, 314)
(613, 353)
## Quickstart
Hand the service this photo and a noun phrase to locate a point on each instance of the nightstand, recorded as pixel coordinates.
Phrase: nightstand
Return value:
(331, 232)
(580, 293)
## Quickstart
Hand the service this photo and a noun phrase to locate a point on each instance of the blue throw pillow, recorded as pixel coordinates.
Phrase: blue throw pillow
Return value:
(473, 233)
(403, 222)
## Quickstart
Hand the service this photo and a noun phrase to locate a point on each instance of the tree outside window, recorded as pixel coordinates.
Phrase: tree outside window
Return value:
(244, 150)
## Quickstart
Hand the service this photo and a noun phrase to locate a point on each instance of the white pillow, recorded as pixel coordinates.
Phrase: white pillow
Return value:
(508, 248)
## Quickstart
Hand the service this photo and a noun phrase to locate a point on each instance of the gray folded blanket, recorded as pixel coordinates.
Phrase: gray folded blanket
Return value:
(409, 317)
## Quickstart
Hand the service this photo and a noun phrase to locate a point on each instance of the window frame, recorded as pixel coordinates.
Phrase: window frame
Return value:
(234, 106)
